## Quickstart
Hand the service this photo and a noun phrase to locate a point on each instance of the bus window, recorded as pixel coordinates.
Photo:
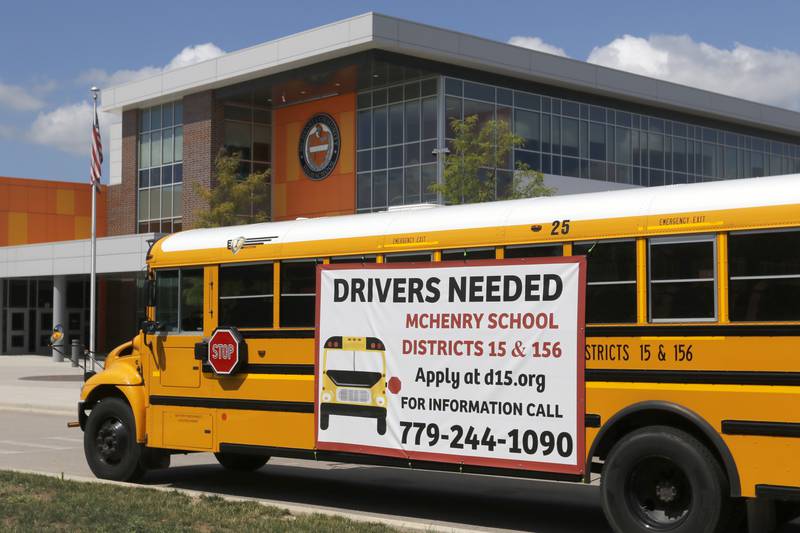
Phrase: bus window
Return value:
(191, 305)
(179, 299)
(764, 275)
(611, 281)
(167, 299)
(464, 254)
(407, 257)
(245, 295)
(682, 278)
(353, 259)
(534, 250)
(298, 293)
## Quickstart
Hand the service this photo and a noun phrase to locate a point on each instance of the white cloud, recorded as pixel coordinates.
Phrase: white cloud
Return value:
(7, 132)
(67, 128)
(535, 43)
(768, 76)
(18, 99)
(188, 56)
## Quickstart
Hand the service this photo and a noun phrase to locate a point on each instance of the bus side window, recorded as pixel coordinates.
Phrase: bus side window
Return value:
(764, 275)
(353, 259)
(179, 299)
(167, 299)
(534, 250)
(464, 254)
(245, 295)
(682, 278)
(298, 293)
(409, 257)
(611, 281)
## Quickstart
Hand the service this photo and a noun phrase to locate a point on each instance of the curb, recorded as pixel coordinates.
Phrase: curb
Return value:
(293, 508)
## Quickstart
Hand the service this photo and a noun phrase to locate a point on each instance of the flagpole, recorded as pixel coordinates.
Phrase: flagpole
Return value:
(92, 279)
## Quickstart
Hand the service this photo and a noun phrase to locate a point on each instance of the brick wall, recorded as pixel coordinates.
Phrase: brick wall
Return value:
(202, 138)
(121, 199)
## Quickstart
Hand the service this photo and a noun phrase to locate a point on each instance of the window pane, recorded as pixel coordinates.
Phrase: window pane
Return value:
(167, 147)
(623, 145)
(177, 200)
(155, 203)
(611, 304)
(144, 205)
(569, 137)
(179, 144)
(238, 139)
(396, 124)
(364, 129)
(155, 117)
(396, 186)
(452, 112)
(429, 121)
(484, 111)
(166, 114)
(249, 280)
(682, 300)
(597, 141)
(412, 154)
(686, 260)
(166, 202)
(546, 250)
(379, 189)
(764, 254)
(379, 126)
(412, 121)
(428, 179)
(364, 192)
(261, 143)
(298, 277)
(609, 261)
(246, 312)
(526, 125)
(467, 254)
(407, 258)
(412, 185)
(167, 299)
(656, 143)
(353, 259)
(765, 299)
(297, 311)
(144, 120)
(192, 299)
(178, 113)
(144, 151)
(155, 148)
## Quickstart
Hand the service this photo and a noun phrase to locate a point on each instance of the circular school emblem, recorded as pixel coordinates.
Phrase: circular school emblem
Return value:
(319, 146)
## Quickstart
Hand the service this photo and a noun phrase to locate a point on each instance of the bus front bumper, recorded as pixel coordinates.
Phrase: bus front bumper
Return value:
(349, 409)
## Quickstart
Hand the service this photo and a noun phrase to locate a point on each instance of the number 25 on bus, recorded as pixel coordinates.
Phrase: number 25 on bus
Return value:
(677, 375)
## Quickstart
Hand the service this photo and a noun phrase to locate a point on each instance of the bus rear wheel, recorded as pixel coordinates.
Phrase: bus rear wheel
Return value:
(109, 442)
(663, 479)
(241, 462)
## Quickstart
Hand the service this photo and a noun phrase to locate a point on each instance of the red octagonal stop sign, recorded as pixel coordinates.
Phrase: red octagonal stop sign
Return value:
(226, 351)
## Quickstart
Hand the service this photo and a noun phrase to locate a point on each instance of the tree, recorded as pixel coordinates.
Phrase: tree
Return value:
(234, 199)
(477, 150)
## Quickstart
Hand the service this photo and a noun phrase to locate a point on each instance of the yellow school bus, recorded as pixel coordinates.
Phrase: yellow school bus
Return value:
(692, 341)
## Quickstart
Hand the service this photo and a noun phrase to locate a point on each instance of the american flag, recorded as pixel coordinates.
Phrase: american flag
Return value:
(97, 152)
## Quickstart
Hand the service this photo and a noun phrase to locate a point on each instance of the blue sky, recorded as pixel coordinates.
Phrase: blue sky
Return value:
(53, 51)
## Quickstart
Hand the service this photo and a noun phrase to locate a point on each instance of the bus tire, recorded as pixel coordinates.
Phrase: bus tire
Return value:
(109, 442)
(241, 462)
(381, 426)
(324, 421)
(660, 478)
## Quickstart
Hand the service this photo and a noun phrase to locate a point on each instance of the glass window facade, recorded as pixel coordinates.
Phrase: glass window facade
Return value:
(397, 131)
(248, 132)
(160, 186)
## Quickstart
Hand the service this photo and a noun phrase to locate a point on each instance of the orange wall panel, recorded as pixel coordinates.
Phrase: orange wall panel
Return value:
(35, 211)
(293, 193)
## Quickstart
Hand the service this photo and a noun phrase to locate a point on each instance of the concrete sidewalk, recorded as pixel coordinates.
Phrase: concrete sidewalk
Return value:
(36, 383)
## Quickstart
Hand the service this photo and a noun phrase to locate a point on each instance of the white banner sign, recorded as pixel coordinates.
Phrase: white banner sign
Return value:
(478, 362)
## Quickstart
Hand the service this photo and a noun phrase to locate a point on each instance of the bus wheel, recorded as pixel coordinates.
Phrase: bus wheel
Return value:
(241, 462)
(663, 479)
(324, 421)
(109, 442)
(381, 426)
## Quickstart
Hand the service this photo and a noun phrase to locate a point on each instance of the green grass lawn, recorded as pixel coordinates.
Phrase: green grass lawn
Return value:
(39, 503)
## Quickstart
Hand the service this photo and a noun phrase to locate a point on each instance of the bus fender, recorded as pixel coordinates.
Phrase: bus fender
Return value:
(611, 429)
(117, 382)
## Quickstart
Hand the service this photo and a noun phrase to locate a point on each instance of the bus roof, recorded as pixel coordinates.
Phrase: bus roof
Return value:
(635, 202)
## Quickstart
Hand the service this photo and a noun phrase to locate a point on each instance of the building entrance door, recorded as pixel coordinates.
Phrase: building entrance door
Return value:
(44, 327)
(17, 330)
(75, 328)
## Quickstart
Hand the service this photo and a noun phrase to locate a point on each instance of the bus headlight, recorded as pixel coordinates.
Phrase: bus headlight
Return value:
(326, 396)
(380, 400)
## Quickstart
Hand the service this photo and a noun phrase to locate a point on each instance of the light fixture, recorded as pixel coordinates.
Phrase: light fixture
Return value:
(337, 84)
(303, 92)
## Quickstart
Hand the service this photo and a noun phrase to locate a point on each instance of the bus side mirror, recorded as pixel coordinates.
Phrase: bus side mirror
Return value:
(150, 289)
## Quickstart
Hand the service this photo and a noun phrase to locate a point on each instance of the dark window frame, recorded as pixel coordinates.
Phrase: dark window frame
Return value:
(270, 296)
(178, 330)
(615, 283)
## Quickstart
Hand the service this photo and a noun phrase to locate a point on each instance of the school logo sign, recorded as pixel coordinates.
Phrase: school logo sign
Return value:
(319, 146)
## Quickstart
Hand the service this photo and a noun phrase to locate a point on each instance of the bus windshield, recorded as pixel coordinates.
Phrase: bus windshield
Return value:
(354, 367)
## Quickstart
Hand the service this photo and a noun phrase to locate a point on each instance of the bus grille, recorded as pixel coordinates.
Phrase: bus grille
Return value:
(353, 395)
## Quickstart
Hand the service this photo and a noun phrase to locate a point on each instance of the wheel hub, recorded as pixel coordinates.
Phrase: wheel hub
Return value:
(666, 492)
(659, 492)
(110, 441)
